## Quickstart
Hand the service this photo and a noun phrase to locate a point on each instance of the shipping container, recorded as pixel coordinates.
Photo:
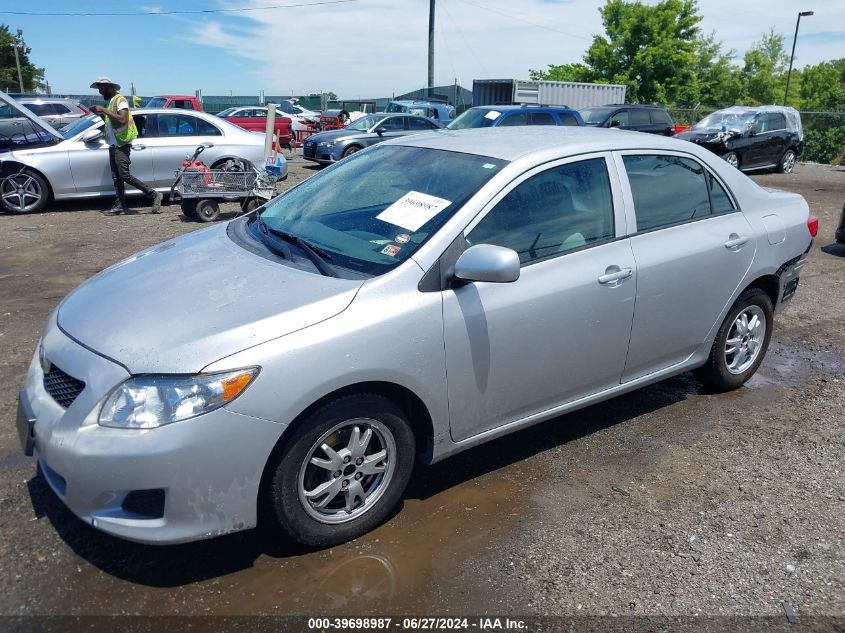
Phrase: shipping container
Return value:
(560, 93)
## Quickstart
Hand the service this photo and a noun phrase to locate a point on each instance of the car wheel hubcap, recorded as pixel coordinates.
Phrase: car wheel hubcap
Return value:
(788, 162)
(732, 160)
(745, 339)
(21, 192)
(347, 470)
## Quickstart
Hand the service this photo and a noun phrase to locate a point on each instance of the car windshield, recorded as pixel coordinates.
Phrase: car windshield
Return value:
(227, 111)
(364, 123)
(473, 118)
(372, 210)
(80, 125)
(725, 120)
(156, 102)
(595, 116)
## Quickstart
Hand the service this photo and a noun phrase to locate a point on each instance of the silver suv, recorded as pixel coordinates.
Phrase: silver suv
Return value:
(421, 297)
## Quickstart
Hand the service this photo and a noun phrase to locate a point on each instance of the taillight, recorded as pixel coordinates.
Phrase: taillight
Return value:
(813, 225)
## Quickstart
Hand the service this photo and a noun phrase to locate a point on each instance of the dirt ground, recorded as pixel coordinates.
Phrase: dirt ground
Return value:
(667, 501)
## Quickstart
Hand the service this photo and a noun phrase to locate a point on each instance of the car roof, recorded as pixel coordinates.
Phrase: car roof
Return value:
(47, 100)
(527, 107)
(512, 143)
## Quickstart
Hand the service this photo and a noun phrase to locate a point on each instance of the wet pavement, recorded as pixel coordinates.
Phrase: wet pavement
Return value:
(581, 514)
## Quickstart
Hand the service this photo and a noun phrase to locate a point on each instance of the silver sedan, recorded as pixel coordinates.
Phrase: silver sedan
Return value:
(421, 297)
(43, 164)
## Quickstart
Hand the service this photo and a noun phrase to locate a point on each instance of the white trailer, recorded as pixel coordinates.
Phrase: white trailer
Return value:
(560, 93)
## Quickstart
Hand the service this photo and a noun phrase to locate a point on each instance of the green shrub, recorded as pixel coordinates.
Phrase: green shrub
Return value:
(825, 146)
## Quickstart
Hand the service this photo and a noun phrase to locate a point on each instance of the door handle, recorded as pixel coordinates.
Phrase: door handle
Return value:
(614, 273)
(735, 241)
(139, 147)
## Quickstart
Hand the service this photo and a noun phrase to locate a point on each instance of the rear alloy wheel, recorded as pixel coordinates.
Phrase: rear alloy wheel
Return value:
(787, 162)
(342, 471)
(741, 342)
(24, 192)
(732, 159)
(207, 210)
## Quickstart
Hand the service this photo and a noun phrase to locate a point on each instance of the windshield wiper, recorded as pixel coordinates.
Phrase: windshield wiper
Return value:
(279, 247)
(317, 255)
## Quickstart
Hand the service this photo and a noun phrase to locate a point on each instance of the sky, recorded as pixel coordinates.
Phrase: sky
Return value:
(357, 48)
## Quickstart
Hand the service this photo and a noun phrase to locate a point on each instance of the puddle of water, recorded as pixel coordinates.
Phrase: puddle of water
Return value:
(788, 365)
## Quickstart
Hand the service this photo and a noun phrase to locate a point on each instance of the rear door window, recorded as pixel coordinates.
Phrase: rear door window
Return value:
(639, 117)
(541, 118)
(666, 190)
(776, 121)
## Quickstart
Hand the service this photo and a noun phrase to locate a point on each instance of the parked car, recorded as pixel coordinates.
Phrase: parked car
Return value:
(495, 116)
(57, 112)
(635, 117)
(750, 138)
(182, 102)
(547, 269)
(254, 118)
(437, 110)
(74, 163)
(329, 147)
(309, 116)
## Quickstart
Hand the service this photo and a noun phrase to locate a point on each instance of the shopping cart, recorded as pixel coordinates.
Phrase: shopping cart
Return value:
(202, 189)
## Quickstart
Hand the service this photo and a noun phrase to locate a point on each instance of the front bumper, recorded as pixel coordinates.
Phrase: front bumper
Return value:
(206, 469)
(322, 155)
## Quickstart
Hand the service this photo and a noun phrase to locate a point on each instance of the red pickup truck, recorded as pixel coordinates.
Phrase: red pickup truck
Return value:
(185, 102)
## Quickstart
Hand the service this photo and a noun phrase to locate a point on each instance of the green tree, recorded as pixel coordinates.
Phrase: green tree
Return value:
(764, 72)
(823, 86)
(720, 80)
(33, 77)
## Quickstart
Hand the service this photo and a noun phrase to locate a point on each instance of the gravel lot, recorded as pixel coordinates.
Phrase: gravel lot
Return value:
(668, 501)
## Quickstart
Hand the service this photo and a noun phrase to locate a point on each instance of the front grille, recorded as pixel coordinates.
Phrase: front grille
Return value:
(309, 150)
(62, 388)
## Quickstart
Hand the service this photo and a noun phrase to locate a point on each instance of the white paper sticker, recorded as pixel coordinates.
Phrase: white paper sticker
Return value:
(413, 210)
(492, 115)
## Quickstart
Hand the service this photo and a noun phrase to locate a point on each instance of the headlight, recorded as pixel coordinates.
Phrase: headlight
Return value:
(147, 402)
(327, 144)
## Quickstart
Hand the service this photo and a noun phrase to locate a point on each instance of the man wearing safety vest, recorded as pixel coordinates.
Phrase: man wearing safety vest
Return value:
(120, 130)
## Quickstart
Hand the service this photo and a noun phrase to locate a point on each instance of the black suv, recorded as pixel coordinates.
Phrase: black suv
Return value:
(640, 118)
(751, 137)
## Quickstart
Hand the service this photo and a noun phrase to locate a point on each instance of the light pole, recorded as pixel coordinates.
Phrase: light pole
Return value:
(792, 57)
(19, 41)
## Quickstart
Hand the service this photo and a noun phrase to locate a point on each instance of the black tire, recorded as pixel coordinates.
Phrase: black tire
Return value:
(715, 373)
(232, 164)
(293, 459)
(207, 210)
(189, 208)
(787, 161)
(32, 184)
(251, 204)
(732, 158)
(350, 150)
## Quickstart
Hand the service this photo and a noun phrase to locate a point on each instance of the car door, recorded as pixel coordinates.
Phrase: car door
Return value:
(89, 162)
(777, 137)
(389, 127)
(757, 152)
(560, 332)
(177, 136)
(693, 248)
(638, 120)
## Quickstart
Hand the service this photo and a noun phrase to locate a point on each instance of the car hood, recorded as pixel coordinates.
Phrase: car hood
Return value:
(28, 114)
(183, 304)
(708, 137)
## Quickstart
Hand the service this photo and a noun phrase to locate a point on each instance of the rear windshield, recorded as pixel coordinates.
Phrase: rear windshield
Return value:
(595, 116)
(371, 211)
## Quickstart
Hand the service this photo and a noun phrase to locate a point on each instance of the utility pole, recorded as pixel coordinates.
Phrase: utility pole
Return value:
(19, 40)
(430, 47)
(794, 40)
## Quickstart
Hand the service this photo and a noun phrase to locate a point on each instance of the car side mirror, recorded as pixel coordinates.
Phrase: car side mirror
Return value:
(752, 132)
(614, 123)
(90, 136)
(486, 262)
(379, 131)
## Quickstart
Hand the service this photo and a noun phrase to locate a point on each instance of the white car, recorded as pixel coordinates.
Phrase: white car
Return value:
(40, 163)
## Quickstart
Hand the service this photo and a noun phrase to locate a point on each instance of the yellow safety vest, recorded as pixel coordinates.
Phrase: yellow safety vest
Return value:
(126, 133)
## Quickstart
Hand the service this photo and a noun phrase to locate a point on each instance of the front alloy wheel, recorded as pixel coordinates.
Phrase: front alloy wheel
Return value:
(732, 159)
(24, 192)
(341, 471)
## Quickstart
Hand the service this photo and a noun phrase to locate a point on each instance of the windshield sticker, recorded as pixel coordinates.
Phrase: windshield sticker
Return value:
(488, 166)
(413, 210)
(492, 115)
(379, 242)
(391, 250)
(402, 238)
